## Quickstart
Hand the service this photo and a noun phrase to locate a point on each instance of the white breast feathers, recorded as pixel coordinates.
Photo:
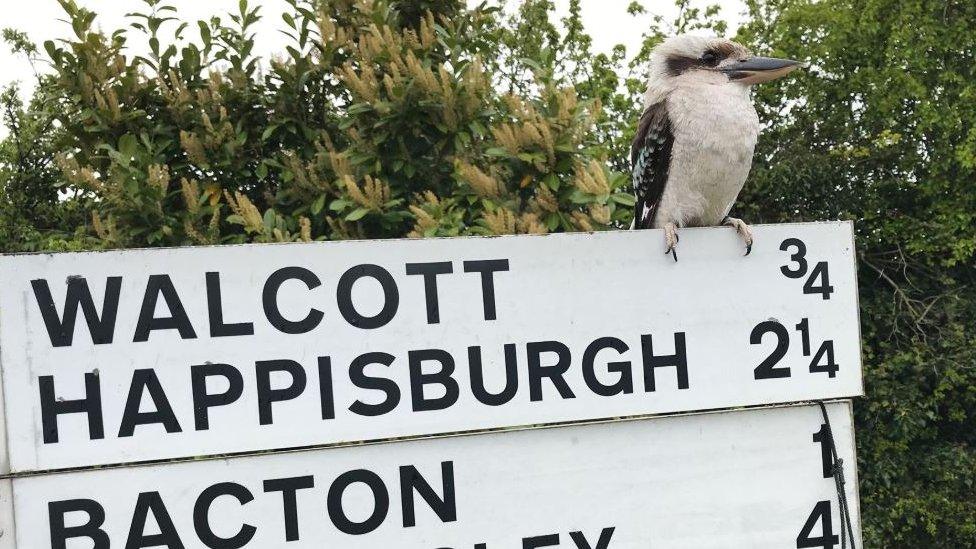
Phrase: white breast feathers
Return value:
(715, 128)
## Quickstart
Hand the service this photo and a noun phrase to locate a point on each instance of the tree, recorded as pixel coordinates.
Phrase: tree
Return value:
(428, 118)
(378, 122)
(881, 130)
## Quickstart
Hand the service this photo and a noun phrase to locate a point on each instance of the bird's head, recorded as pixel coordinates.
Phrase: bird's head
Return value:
(710, 60)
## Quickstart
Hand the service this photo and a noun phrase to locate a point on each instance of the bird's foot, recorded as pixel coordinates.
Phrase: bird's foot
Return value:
(742, 229)
(671, 240)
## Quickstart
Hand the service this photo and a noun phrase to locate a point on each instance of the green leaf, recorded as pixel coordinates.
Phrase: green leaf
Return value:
(552, 221)
(357, 214)
(579, 197)
(552, 181)
(268, 132)
(359, 108)
(128, 145)
(52, 51)
(624, 199)
(205, 33)
(318, 205)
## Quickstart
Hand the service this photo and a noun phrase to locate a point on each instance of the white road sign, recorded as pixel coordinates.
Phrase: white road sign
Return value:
(748, 478)
(138, 355)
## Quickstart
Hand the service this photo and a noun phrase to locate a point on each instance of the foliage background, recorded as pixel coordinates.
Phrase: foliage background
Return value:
(418, 118)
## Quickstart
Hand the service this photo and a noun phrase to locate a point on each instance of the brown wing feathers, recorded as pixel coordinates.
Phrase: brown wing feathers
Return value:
(650, 157)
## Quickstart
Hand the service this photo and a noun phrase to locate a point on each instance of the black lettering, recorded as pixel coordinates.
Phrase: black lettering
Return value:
(178, 320)
(487, 268)
(91, 529)
(767, 368)
(167, 536)
(826, 456)
(145, 380)
(443, 377)
(326, 397)
(203, 401)
(827, 539)
(625, 384)
(602, 543)
(554, 372)
(478, 378)
(430, 271)
(391, 296)
(61, 330)
(269, 297)
(267, 395)
(52, 407)
(444, 506)
(288, 488)
(679, 360)
(799, 258)
(215, 308)
(534, 542)
(358, 377)
(201, 516)
(381, 499)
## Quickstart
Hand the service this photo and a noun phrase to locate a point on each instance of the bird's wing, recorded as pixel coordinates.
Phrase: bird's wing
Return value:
(650, 158)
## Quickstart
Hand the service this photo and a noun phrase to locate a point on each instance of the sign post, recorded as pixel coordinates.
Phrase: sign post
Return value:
(140, 355)
(748, 478)
(245, 396)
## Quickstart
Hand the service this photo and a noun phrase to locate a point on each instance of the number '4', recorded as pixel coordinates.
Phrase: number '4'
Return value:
(827, 539)
(826, 351)
(824, 289)
(819, 280)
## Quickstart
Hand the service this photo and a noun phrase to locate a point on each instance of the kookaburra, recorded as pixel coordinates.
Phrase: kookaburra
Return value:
(695, 141)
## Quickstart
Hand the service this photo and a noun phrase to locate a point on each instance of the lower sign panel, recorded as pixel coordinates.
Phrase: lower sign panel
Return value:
(750, 478)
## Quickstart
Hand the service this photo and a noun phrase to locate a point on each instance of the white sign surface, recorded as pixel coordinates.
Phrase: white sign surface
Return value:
(7, 534)
(129, 356)
(749, 478)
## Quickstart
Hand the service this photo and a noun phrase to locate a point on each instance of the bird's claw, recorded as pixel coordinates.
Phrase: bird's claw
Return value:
(743, 231)
(671, 240)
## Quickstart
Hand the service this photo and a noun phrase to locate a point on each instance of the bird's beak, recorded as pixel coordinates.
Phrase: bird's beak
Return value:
(756, 70)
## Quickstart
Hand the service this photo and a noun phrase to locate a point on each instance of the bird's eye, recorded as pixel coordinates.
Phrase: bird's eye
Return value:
(709, 59)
